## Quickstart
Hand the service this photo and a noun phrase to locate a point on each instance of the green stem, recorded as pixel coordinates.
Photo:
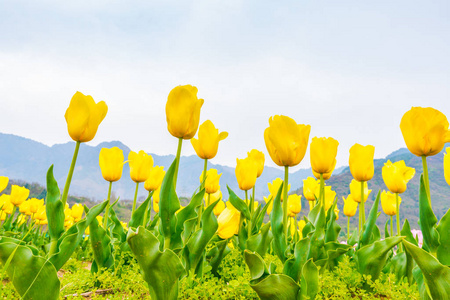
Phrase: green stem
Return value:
(397, 202)
(202, 185)
(322, 191)
(363, 212)
(425, 178)
(252, 202)
(249, 229)
(348, 228)
(148, 210)
(105, 217)
(285, 202)
(180, 141)
(135, 197)
(359, 220)
(392, 226)
(69, 176)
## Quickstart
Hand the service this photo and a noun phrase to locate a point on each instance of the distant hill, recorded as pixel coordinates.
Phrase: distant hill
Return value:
(28, 160)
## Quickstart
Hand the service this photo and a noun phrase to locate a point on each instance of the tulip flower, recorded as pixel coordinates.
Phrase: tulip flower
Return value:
(350, 206)
(111, 163)
(246, 172)
(361, 162)
(310, 185)
(35, 204)
(447, 165)
(211, 198)
(259, 159)
(323, 153)
(218, 209)
(355, 191)
(24, 208)
(140, 166)
(391, 204)
(155, 178)
(294, 205)
(77, 212)
(3, 183)
(211, 181)
(228, 222)
(41, 214)
(2, 215)
(396, 175)
(18, 194)
(275, 186)
(207, 144)
(5, 204)
(329, 196)
(301, 225)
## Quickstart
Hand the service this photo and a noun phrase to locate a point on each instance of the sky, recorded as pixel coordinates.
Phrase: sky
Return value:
(350, 69)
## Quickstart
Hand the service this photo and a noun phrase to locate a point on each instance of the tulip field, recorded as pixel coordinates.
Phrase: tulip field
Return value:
(235, 248)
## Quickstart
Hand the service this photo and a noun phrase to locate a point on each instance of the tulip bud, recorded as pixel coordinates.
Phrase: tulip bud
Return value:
(396, 175)
(286, 141)
(310, 185)
(140, 165)
(294, 205)
(111, 163)
(259, 158)
(183, 111)
(246, 172)
(355, 191)
(425, 131)
(155, 179)
(208, 140)
(211, 181)
(228, 222)
(5, 204)
(388, 203)
(77, 212)
(323, 153)
(350, 206)
(361, 162)
(18, 194)
(83, 116)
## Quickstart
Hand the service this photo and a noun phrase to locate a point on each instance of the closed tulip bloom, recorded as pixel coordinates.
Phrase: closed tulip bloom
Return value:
(111, 163)
(183, 111)
(212, 181)
(425, 130)
(286, 141)
(361, 162)
(77, 212)
(330, 195)
(41, 214)
(2, 215)
(3, 183)
(18, 195)
(388, 203)
(336, 212)
(246, 172)
(25, 208)
(213, 197)
(155, 206)
(323, 153)
(218, 209)
(155, 179)
(83, 116)
(325, 176)
(5, 204)
(294, 205)
(310, 185)
(275, 186)
(447, 165)
(228, 222)
(35, 204)
(259, 159)
(350, 206)
(396, 175)
(301, 225)
(207, 144)
(141, 165)
(355, 190)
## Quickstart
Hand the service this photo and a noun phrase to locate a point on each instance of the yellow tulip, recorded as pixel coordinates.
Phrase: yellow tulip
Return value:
(267, 199)
(275, 186)
(259, 159)
(447, 165)
(396, 175)
(18, 194)
(355, 190)
(310, 185)
(425, 130)
(124, 225)
(361, 162)
(87, 231)
(67, 213)
(21, 219)
(100, 220)
(286, 141)
(69, 222)
(330, 195)
(325, 176)
(294, 205)
(388, 203)
(3, 183)
(141, 165)
(155, 206)
(41, 214)
(207, 144)
(156, 195)
(336, 212)
(83, 116)
(212, 181)
(246, 172)
(5, 204)
(2, 215)
(350, 206)
(323, 153)
(218, 209)
(228, 222)
(35, 204)
(77, 212)
(213, 197)
(25, 208)
(301, 225)
(183, 111)
(111, 163)
(155, 179)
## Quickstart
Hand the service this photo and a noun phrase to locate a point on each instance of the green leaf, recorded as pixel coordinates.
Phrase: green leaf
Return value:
(32, 276)
(101, 247)
(370, 259)
(404, 264)
(333, 227)
(216, 254)
(169, 203)
(418, 277)
(256, 265)
(443, 251)
(316, 250)
(260, 242)
(292, 267)
(436, 275)
(238, 203)
(70, 240)
(276, 220)
(161, 270)
(368, 228)
(137, 218)
(427, 220)
(117, 230)
(54, 207)
(353, 238)
(310, 280)
(259, 220)
(333, 251)
(312, 215)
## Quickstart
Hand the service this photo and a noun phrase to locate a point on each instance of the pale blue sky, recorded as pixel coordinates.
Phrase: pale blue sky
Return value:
(350, 69)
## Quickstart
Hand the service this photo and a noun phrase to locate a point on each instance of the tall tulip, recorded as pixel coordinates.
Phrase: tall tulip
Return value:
(18, 194)
(286, 141)
(207, 144)
(425, 131)
(5, 204)
(246, 172)
(391, 204)
(183, 116)
(259, 159)
(140, 167)
(3, 183)
(153, 183)
(447, 165)
(294, 205)
(83, 116)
